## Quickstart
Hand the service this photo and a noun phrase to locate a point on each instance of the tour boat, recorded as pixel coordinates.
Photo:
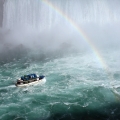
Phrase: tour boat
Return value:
(30, 79)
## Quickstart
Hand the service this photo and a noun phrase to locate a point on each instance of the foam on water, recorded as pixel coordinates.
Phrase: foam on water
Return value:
(73, 83)
(51, 38)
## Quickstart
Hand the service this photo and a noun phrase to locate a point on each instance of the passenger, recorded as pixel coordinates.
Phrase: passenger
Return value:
(26, 77)
(37, 76)
(19, 81)
(22, 78)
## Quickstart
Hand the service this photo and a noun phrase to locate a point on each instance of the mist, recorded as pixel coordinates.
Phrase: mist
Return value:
(34, 27)
(75, 44)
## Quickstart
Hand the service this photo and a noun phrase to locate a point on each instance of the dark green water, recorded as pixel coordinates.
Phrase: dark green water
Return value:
(77, 88)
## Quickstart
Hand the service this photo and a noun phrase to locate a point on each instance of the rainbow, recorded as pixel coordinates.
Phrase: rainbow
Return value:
(83, 35)
(80, 31)
(87, 40)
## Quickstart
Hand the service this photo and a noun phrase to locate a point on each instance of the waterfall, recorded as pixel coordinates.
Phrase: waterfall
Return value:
(38, 14)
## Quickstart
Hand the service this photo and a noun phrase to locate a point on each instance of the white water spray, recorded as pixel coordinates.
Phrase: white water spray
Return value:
(37, 14)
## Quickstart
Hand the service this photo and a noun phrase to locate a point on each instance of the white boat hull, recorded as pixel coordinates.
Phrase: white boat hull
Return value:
(41, 81)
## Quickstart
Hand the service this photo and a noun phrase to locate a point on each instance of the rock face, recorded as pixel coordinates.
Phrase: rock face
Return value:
(9, 54)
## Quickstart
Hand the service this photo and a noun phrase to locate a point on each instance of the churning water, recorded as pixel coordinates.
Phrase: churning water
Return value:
(76, 88)
(81, 68)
